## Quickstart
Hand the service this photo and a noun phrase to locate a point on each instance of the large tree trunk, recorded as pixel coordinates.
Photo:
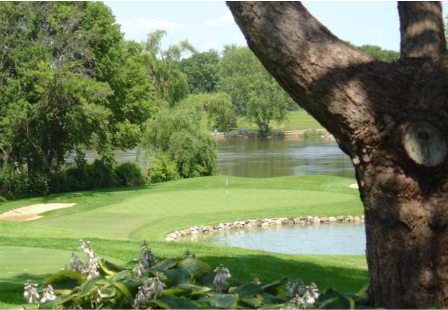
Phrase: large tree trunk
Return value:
(389, 118)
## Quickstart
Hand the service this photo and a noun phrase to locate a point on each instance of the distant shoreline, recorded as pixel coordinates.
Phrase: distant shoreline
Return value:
(288, 134)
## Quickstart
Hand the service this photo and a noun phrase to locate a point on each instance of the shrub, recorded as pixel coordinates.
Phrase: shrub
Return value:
(163, 169)
(102, 174)
(129, 174)
(14, 184)
(77, 177)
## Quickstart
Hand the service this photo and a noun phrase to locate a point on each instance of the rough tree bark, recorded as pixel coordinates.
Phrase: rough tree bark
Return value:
(390, 119)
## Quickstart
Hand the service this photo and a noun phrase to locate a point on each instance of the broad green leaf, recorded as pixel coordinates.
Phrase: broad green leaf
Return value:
(192, 288)
(164, 265)
(273, 287)
(222, 301)
(171, 292)
(271, 299)
(362, 297)
(338, 302)
(47, 305)
(61, 300)
(120, 275)
(107, 268)
(108, 292)
(63, 292)
(153, 273)
(158, 304)
(194, 266)
(178, 303)
(88, 287)
(248, 289)
(65, 279)
(177, 276)
(253, 302)
(124, 289)
(329, 293)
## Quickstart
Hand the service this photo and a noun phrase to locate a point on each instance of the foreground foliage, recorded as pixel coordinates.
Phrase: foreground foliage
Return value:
(183, 283)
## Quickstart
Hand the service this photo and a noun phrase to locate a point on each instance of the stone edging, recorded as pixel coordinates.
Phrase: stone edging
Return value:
(304, 220)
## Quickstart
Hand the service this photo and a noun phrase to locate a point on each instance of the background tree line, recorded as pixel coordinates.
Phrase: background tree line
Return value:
(69, 81)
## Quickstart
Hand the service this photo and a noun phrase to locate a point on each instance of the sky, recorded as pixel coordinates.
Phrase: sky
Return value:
(209, 24)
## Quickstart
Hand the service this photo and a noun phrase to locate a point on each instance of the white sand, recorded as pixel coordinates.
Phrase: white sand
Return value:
(33, 212)
(354, 185)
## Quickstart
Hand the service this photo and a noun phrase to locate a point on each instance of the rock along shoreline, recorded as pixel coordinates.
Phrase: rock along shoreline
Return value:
(303, 220)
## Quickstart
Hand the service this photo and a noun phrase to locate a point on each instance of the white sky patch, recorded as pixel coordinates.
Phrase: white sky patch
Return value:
(239, 38)
(224, 19)
(212, 45)
(152, 24)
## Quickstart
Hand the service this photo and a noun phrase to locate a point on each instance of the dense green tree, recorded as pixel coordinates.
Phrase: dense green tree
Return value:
(176, 133)
(378, 53)
(161, 65)
(217, 107)
(201, 70)
(132, 102)
(66, 76)
(254, 93)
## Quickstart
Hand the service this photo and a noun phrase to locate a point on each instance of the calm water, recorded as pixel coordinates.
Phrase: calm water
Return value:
(266, 158)
(292, 239)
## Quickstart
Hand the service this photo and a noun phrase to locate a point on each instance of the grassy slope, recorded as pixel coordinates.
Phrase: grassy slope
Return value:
(296, 120)
(115, 221)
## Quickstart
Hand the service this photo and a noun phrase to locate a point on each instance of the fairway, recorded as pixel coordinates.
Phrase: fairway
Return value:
(116, 220)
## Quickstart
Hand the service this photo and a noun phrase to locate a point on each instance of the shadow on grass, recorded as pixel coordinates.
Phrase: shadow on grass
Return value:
(95, 192)
(11, 289)
(245, 268)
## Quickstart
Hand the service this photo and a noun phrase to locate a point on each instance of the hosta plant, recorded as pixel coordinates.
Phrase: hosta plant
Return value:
(183, 283)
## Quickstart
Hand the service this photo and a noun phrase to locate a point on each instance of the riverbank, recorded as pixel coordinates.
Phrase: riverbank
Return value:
(295, 124)
(116, 220)
(310, 133)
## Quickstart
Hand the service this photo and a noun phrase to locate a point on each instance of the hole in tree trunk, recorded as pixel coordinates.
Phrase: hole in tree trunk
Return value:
(425, 144)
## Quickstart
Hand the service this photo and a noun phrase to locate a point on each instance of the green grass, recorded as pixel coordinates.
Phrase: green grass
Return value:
(295, 120)
(116, 220)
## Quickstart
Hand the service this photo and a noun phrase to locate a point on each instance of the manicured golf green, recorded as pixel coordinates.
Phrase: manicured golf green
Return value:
(116, 220)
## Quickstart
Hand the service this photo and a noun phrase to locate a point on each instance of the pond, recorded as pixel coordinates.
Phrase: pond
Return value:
(327, 239)
(266, 158)
(275, 157)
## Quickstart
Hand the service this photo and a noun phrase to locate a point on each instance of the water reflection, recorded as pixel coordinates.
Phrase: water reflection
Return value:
(326, 239)
(265, 158)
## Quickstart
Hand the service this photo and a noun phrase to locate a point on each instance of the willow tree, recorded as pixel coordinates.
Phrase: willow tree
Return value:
(390, 118)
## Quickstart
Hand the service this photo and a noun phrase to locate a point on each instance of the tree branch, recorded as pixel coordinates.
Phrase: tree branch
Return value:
(320, 72)
(422, 30)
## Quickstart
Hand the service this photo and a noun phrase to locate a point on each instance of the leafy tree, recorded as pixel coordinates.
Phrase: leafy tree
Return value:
(169, 82)
(218, 108)
(66, 76)
(378, 53)
(254, 93)
(49, 101)
(132, 102)
(390, 118)
(176, 133)
(201, 70)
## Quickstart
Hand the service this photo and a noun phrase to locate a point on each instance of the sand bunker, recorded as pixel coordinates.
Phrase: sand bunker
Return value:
(33, 212)
(354, 185)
